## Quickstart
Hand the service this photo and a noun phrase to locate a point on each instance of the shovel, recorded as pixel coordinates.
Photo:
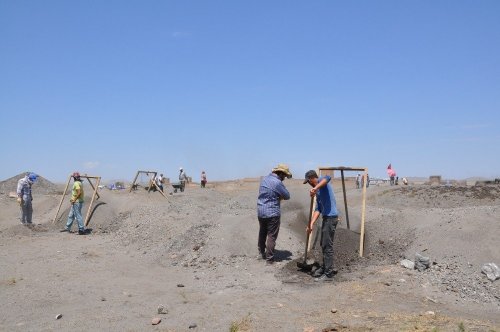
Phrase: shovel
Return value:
(303, 265)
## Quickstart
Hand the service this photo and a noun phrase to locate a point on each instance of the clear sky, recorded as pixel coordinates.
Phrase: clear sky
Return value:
(235, 87)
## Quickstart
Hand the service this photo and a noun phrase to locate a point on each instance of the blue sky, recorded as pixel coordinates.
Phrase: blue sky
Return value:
(233, 87)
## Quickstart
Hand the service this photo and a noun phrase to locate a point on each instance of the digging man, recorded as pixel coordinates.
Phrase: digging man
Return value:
(326, 206)
(271, 192)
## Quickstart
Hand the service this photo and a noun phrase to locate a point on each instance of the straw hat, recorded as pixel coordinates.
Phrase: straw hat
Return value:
(283, 168)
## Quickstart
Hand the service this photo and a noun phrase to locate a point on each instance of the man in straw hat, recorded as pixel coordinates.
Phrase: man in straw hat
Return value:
(326, 206)
(271, 192)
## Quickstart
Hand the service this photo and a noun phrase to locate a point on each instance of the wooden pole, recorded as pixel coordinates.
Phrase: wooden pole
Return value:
(363, 208)
(90, 182)
(133, 182)
(158, 188)
(345, 199)
(62, 199)
(87, 217)
(151, 181)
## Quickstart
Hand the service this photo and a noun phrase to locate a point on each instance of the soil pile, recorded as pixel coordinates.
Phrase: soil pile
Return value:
(42, 186)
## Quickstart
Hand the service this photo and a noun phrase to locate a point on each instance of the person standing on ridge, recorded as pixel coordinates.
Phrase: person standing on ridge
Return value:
(203, 181)
(76, 206)
(25, 197)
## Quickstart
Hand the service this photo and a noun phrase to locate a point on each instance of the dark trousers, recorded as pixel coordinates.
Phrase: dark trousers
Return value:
(327, 234)
(268, 233)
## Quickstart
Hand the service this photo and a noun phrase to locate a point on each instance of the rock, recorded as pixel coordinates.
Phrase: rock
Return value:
(103, 298)
(59, 316)
(430, 313)
(193, 326)
(380, 241)
(387, 283)
(407, 264)
(161, 310)
(180, 285)
(491, 270)
(334, 310)
(156, 321)
(421, 262)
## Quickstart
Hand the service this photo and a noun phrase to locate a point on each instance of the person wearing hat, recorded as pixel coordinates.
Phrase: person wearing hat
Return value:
(271, 192)
(25, 197)
(76, 206)
(327, 207)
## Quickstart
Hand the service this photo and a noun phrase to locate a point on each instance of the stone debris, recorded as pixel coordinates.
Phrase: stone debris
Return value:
(59, 316)
(408, 264)
(162, 310)
(156, 321)
(491, 270)
(422, 263)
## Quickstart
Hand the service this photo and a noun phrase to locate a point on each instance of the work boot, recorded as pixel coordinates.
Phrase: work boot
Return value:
(324, 278)
(84, 232)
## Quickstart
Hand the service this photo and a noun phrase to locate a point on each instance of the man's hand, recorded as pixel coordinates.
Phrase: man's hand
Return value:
(19, 200)
(309, 229)
(312, 192)
(72, 201)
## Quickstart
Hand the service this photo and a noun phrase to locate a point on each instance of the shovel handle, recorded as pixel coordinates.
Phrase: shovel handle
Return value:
(308, 235)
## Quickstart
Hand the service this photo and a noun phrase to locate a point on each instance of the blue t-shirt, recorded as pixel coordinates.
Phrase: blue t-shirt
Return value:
(325, 199)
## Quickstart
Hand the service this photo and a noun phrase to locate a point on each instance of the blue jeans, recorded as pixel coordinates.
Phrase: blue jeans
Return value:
(75, 213)
(327, 234)
(26, 210)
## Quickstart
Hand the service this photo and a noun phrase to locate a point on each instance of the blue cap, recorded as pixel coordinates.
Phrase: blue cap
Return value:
(32, 177)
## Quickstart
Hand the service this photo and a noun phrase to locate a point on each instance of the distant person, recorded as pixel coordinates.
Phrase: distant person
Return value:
(397, 180)
(76, 201)
(203, 179)
(159, 181)
(271, 192)
(358, 178)
(327, 207)
(392, 174)
(182, 178)
(25, 197)
(367, 180)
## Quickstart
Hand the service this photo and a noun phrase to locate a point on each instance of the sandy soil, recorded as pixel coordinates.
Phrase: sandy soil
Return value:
(195, 254)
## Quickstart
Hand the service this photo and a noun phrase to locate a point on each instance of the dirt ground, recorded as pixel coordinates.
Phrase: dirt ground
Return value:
(195, 254)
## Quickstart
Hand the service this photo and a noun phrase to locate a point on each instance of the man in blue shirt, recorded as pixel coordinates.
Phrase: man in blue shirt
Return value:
(327, 207)
(271, 192)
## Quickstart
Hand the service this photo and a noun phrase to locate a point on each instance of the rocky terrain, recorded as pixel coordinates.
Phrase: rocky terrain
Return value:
(194, 254)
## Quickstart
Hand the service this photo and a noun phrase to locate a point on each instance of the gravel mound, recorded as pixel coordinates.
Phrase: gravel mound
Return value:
(42, 186)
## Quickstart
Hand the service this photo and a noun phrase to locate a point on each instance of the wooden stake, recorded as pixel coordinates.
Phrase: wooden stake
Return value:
(87, 217)
(90, 182)
(345, 199)
(363, 208)
(158, 188)
(62, 199)
(133, 182)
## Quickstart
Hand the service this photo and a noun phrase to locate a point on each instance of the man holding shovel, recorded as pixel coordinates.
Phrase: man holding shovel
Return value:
(271, 192)
(327, 207)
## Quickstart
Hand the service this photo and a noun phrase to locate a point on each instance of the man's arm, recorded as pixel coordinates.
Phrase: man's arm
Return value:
(321, 184)
(315, 217)
(283, 192)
